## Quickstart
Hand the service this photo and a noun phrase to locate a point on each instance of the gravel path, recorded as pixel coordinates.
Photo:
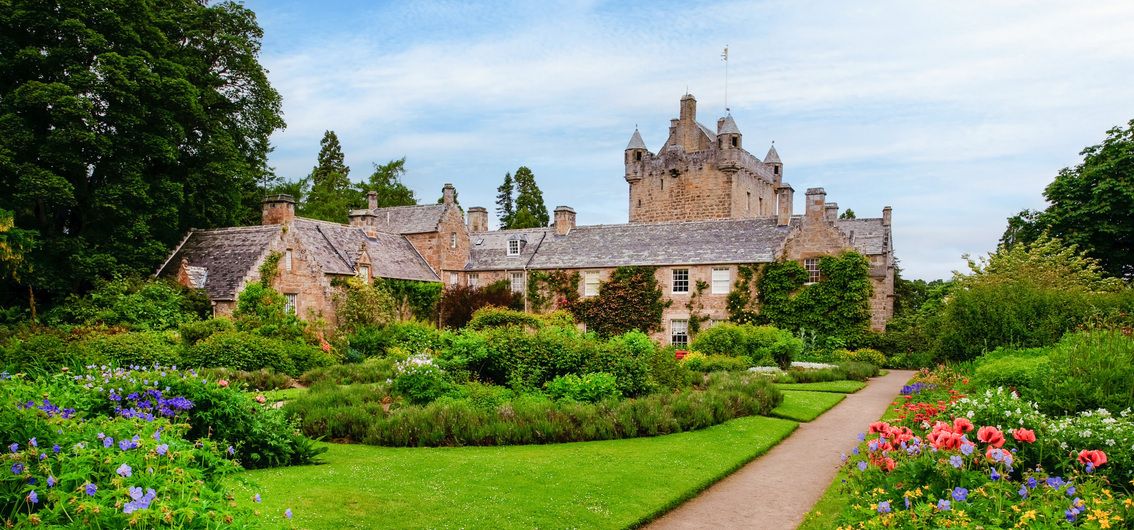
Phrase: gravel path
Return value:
(779, 488)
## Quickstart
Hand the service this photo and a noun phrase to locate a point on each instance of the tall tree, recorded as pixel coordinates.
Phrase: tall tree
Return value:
(122, 127)
(529, 199)
(505, 205)
(1091, 205)
(331, 195)
(386, 180)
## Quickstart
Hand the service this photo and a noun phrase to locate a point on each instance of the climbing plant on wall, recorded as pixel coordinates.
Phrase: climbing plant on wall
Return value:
(412, 298)
(630, 300)
(695, 305)
(838, 305)
(548, 287)
(741, 301)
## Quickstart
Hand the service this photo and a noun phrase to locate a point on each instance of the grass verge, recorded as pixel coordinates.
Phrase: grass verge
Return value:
(806, 406)
(607, 484)
(842, 387)
(825, 513)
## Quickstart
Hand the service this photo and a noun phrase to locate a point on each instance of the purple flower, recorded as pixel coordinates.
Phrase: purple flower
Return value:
(231, 451)
(944, 505)
(124, 470)
(907, 499)
(14, 447)
(91, 489)
(956, 461)
(256, 497)
(101, 436)
(1023, 492)
(862, 437)
(55, 448)
(17, 468)
(884, 507)
(994, 475)
(33, 498)
(157, 435)
(1032, 483)
(32, 442)
(287, 513)
(51, 482)
(862, 466)
(1071, 491)
(1055, 482)
(141, 501)
(967, 448)
(960, 494)
(107, 442)
(162, 449)
(125, 445)
(1071, 514)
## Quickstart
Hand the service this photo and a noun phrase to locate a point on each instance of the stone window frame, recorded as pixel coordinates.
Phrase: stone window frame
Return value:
(517, 282)
(287, 260)
(513, 247)
(679, 332)
(291, 303)
(588, 276)
(472, 279)
(811, 265)
(454, 278)
(727, 280)
(680, 281)
(364, 272)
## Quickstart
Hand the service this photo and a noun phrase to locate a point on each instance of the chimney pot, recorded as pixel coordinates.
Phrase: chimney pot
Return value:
(816, 204)
(449, 194)
(886, 213)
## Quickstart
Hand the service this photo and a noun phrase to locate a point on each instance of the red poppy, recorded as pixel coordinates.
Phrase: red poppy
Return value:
(991, 436)
(1024, 435)
(1094, 457)
(962, 425)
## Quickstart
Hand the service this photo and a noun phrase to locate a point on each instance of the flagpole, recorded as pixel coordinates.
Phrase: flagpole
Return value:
(724, 56)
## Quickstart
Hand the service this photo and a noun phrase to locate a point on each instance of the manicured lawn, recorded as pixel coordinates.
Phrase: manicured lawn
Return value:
(842, 387)
(609, 484)
(805, 406)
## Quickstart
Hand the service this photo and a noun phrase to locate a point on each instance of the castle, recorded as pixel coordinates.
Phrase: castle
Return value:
(698, 209)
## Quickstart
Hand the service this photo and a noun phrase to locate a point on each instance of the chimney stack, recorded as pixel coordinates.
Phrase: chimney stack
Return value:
(478, 219)
(449, 194)
(816, 204)
(785, 196)
(886, 215)
(832, 209)
(372, 200)
(564, 220)
(277, 209)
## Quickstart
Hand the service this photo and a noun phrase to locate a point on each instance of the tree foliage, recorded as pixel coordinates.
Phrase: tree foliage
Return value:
(505, 206)
(1091, 205)
(519, 201)
(359, 304)
(386, 180)
(630, 300)
(331, 194)
(836, 306)
(121, 127)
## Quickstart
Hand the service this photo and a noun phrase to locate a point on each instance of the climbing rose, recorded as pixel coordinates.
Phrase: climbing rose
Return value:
(1024, 435)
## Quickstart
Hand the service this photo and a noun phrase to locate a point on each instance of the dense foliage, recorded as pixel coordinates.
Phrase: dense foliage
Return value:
(837, 306)
(458, 302)
(519, 203)
(359, 304)
(122, 128)
(153, 305)
(413, 299)
(759, 345)
(630, 300)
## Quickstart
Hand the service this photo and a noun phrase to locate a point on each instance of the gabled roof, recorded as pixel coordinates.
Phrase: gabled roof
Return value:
(406, 219)
(489, 250)
(868, 236)
(674, 243)
(226, 254)
(337, 249)
(636, 141)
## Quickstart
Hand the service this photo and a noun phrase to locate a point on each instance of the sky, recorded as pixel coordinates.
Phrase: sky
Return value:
(956, 114)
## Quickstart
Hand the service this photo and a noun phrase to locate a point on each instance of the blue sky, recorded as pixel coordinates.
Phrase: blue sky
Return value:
(957, 114)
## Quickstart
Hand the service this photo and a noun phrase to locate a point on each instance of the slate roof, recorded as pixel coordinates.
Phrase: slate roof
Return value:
(772, 157)
(337, 249)
(227, 254)
(672, 243)
(489, 250)
(406, 219)
(728, 126)
(636, 141)
(867, 235)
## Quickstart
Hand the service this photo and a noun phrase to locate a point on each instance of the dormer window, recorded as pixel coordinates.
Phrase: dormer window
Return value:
(364, 272)
(514, 247)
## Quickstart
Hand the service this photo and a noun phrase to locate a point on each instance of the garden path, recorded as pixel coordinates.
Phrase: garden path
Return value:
(778, 489)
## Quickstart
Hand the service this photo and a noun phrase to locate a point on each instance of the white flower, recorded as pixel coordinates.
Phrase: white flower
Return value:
(970, 415)
(1110, 441)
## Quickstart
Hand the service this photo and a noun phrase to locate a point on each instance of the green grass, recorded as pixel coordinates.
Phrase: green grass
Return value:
(806, 406)
(608, 484)
(825, 513)
(842, 387)
(282, 394)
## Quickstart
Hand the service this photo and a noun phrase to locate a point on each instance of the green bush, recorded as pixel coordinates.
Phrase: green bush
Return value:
(1025, 371)
(498, 417)
(367, 341)
(42, 353)
(358, 304)
(262, 310)
(144, 305)
(373, 370)
(241, 351)
(724, 338)
(590, 388)
(866, 355)
(263, 379)
(197, 331)
(420, 381)
(495, 317)
(699, 362)
(1090, 370)
(746, 340)
(141, 348)
(412, 336)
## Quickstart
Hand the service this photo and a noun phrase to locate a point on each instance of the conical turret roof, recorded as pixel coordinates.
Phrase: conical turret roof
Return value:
(728, 126)
(636, 141)
(772, 157)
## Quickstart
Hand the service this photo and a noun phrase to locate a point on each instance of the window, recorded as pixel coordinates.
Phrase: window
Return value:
(679, 333)
(290, 303)
(453, 278)
(680, 280)
(734, 140)
(812, 266)
(364, 272)
(453, 240)
(721, 280)
(590, 283)
(517, 282)
(287, 260)
(775, 170)
(638, 156)
(473, 279)
(748, 202)
(761, 199)
(514, 247)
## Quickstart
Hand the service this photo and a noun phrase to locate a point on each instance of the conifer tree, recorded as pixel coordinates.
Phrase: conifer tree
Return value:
(331, 194)
(387, 182)
(505, 207)
(529, 199)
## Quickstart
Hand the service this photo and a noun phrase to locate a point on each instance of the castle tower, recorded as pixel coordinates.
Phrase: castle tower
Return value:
(699, 173)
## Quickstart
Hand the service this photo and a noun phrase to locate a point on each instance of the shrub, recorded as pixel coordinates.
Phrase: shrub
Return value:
(414, 337)
(374, 370)
(1021, 370)
(197, 331)
(746, 340)
(263, 379)
(590, 388)
(495, 317)
(262, 310)
(858, 370)
(42, 353)
(458, 303)
(420, 381)
(700, 362)
(725, 338)
(145, 305)
(142, 348)
(1090, 370)
(866, 355)
(240, 351)
(367, 341)
(359, 304)
(630, 300)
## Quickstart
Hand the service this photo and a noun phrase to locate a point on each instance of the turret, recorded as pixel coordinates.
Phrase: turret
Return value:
(728, 135)
(636, 154)
(773, 159)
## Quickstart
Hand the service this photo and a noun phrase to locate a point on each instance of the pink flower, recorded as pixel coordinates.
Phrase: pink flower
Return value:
(962, 425)
(1024, 435)
(223, 383)
(991, 436)
(1095, 457)
(261, 399)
